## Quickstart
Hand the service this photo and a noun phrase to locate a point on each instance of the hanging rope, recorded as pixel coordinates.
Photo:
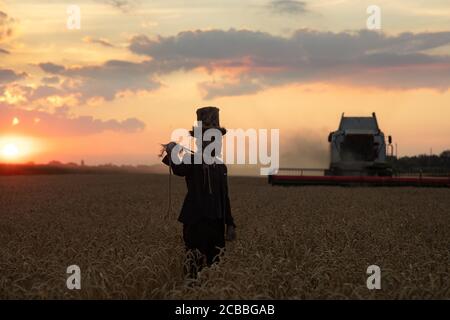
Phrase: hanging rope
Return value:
(169, 184)
(169, 190)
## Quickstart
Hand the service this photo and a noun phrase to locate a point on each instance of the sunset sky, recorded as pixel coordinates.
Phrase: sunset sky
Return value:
(136, 70)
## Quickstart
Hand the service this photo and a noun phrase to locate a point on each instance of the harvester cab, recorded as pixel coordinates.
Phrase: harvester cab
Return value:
(358, 147)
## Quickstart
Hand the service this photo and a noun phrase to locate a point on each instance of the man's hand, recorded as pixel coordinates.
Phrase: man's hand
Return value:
(169, 147)
(231, 233)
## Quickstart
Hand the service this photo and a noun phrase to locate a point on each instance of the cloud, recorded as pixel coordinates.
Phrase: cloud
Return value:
(60, 122)
(16, 94)
(52, 67)
(6, 26)
(245, 62)
(287, 7)
(106, 80)
(122, 5)
(43, 92)
(236, 87)
(50, 80)
(100, 41)
(208, 46)
(259, 60)
(8, 75)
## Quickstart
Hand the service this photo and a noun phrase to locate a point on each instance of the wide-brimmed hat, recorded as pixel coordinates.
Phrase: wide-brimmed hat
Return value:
(209, 116)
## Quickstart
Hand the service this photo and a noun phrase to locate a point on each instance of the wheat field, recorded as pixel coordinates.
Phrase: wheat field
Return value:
(293, 242)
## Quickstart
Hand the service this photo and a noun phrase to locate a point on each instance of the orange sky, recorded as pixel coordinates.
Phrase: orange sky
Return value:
(116, 88)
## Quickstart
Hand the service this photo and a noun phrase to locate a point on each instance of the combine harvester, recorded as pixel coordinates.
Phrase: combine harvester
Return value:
(358, 156)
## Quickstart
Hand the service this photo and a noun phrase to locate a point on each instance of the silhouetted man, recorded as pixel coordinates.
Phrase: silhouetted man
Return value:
(206, 209)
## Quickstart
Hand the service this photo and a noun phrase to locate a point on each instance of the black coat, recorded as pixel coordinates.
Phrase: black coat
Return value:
(207, 195)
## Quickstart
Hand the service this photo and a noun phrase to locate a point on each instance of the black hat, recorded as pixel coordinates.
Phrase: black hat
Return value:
(209, 116)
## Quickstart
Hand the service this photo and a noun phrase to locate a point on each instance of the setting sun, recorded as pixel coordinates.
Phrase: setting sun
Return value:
(19, 148)
(10, 151)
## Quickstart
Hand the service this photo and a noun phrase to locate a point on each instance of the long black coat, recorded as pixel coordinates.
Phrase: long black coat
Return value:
(207, 195)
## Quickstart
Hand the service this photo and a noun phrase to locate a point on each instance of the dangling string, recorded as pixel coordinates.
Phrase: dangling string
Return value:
(169, 185)
(169, 190)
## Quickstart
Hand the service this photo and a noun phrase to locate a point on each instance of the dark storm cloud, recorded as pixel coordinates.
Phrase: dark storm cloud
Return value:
(287, 6)
(61, 123)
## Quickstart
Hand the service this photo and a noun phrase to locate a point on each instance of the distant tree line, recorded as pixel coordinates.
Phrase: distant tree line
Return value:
(56, 167)
(425, 163)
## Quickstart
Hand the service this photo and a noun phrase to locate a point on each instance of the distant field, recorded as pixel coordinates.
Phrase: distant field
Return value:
(294, 243)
